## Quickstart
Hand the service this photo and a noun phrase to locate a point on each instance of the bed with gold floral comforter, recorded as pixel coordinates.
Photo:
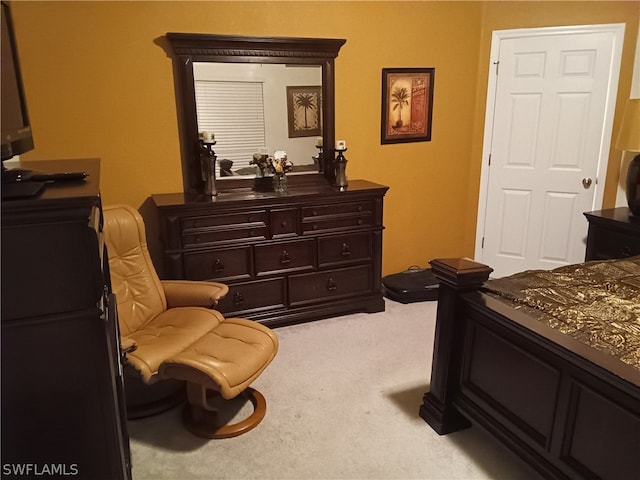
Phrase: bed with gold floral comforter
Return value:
(597, 303)
(546, 362)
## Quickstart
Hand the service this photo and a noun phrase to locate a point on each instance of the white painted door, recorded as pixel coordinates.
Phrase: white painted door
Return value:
(547, 139)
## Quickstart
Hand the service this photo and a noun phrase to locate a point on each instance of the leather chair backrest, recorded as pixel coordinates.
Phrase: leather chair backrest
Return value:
(134, 280)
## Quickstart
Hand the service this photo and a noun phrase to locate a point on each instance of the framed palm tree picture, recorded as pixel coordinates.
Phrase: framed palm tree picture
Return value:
(304, 105)
(407, 104)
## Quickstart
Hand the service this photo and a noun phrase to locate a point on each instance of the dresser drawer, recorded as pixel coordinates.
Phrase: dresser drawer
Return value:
(613, 244)
(218, 235)
(285, 256)
(284, 222)
(332, 209)
(336, 223)
(345, 248)
(310, 287)
(253, 295)
(220, 264)
(255, 218)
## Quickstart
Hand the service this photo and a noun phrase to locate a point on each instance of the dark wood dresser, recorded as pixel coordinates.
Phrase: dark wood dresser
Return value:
(308, 253)
(613, 233)
(62, 392)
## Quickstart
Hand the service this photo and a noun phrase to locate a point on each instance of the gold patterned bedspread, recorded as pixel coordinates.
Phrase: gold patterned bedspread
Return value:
(597, 303)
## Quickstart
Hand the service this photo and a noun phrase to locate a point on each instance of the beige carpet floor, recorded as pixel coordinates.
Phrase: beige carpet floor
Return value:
(342, 403)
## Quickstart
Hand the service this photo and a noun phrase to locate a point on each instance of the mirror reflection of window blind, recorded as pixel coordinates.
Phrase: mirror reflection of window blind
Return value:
(234, 112)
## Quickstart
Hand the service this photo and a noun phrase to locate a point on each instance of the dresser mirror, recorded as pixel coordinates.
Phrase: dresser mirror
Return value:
(277, 92)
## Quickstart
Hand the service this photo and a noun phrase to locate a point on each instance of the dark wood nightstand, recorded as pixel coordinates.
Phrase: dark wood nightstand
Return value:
(613, 233)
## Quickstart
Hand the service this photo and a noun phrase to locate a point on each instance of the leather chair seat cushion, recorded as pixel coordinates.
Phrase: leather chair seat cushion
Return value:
(228, 358)
(167, 334)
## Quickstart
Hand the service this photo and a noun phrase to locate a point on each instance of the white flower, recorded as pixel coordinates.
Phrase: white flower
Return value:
(280, 154)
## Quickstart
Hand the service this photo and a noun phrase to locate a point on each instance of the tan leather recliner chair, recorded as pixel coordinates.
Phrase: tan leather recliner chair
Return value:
(169, 330)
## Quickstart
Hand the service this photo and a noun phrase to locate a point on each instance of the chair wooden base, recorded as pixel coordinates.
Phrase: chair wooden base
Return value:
(205, 422)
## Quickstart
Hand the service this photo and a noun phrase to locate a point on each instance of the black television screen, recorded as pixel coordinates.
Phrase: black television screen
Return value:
(16, 129)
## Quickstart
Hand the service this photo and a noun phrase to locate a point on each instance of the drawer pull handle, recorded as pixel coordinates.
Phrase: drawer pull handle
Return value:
(314, 227)
(314, 213)
(284, 258)
(284, 223)
(238, 299)
(346, 250)
(359, 221)
(359, 208)
(218, 266)
(331, 285)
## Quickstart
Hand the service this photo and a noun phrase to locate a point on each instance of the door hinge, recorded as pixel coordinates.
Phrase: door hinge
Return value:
(482, 243)
(497, 64)
(489, 159)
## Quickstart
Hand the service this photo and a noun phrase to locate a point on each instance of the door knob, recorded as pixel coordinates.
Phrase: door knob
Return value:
(586, 182)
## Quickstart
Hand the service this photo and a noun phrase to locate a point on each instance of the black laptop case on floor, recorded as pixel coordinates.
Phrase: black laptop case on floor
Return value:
(413, 285)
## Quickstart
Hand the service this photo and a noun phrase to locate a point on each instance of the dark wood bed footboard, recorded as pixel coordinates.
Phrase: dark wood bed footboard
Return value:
(564, 408)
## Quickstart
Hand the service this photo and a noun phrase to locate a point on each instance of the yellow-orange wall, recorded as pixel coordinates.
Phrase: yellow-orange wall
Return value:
(99, 85)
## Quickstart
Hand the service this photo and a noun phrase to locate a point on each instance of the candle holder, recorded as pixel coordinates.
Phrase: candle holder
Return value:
(317, 158)
(208, 166)
(340, 166)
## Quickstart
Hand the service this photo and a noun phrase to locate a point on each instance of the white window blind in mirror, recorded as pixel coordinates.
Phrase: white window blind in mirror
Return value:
(234, 112)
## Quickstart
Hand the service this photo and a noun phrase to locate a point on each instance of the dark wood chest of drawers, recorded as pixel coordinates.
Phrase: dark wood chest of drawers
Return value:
(612, 234)
(309, 253)
(63, 407)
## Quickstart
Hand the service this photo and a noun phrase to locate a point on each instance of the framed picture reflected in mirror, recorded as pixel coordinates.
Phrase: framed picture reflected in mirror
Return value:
(304, 105)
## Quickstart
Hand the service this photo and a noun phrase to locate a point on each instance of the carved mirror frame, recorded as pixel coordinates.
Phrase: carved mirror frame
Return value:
(189, 48)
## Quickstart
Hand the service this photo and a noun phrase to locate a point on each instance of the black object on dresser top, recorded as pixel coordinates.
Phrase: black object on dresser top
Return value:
(62, 392)
(309, 253)
(613, 233)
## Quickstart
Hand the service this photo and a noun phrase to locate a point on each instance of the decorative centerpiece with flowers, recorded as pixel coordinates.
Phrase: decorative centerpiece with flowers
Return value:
(278, 166)
(261, 161)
